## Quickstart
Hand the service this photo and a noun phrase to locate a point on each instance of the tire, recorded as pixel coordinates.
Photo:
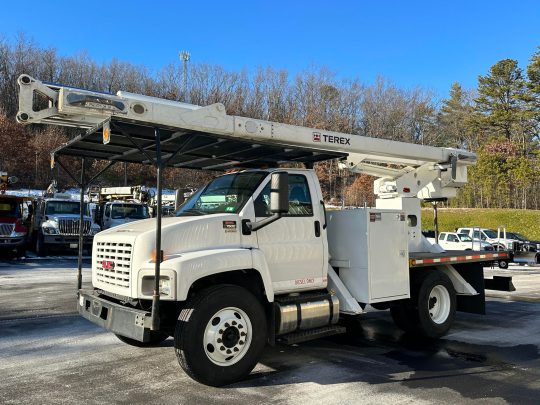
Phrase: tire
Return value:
(209, 332)
(155, 339)
(436, 305)
(503, 264)
(41, 248)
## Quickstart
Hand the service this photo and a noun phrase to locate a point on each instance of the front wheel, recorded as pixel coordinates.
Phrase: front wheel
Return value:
(220, 335)
(503, 264)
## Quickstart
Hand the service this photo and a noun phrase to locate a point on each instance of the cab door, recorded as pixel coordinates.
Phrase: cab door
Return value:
(294, 246)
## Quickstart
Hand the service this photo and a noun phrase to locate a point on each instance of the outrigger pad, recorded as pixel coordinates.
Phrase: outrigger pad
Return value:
(500, 283)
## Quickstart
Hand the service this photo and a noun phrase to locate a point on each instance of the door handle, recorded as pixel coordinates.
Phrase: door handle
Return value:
(317, 229)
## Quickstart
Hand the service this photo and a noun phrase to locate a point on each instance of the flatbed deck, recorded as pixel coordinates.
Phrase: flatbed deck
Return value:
(423, 259)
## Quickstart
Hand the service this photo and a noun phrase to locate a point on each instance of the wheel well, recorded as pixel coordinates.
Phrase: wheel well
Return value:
(249, 279)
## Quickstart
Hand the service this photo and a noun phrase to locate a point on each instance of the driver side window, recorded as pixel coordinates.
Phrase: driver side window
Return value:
(107, 211)
(299, 198)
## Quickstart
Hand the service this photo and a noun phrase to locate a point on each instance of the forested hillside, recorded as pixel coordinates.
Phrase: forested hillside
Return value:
(499, 119)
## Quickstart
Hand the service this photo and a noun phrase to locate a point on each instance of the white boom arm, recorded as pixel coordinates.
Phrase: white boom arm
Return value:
(421, 171)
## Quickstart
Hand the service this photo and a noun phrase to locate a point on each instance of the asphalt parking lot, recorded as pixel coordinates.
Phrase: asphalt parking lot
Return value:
(48, 354)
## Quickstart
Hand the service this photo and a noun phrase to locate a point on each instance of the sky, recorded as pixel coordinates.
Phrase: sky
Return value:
(430, 44)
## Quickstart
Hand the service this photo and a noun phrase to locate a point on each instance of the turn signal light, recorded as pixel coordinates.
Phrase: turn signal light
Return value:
(162, 257)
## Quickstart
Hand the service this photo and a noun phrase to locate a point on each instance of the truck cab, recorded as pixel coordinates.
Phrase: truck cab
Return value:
(15, 223)
(212, 225)
(116, 213)
(56, 224)
(461, 241)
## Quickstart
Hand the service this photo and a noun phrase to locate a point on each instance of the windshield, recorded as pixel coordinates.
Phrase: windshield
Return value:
(8, 209)
(518, 236)
(491, 234)
(225, 194)
(464, 238)
(64, 207)
(131, 211)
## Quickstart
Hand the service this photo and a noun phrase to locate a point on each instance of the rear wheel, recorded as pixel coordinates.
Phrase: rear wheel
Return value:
(431, 310)
(503, 264)
(220, 335)
(436, 305)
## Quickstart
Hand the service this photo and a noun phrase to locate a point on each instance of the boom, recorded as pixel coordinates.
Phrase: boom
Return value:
(421, 171)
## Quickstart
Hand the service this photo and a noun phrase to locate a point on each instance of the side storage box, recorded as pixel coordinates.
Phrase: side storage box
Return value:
(370, 248)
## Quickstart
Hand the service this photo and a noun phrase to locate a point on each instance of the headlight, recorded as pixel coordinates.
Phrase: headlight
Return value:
(49, 230)
(164, 286)
(17, 234)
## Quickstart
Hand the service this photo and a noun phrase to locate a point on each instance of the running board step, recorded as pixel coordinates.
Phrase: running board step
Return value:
(305, 335)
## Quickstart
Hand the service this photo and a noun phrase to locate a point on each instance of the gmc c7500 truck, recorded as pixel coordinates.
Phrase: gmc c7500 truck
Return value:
(253, 257)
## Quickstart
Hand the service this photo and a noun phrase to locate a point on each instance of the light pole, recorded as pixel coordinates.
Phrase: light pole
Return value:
(184, 57)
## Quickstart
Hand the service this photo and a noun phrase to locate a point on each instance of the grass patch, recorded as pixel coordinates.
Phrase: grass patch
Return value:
(526, 222)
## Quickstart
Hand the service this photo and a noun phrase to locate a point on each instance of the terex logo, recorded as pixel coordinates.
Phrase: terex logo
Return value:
(107, 264)
(342, 140)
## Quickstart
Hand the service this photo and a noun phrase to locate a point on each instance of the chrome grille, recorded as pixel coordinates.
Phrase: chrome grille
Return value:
(71, 227)
(119, 254)
(6, 229)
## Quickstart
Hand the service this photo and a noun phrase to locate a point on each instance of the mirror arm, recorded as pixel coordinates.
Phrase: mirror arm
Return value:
(255, 226)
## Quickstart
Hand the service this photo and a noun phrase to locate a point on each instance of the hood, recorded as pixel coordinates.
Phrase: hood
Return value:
(178, 234)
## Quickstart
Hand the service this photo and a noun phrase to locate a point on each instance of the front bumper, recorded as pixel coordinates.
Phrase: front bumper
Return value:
(123, 320)
(68, 241)
(11, 243)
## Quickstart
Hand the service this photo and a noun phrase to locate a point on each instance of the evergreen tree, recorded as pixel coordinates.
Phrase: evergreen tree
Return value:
(454, 117)
(502, 101)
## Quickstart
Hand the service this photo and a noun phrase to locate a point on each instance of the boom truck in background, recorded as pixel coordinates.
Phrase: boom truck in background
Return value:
(253, 257)
(120, 205)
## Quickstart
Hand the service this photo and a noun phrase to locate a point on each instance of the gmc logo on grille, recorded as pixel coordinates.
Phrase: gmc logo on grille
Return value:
(107, 264)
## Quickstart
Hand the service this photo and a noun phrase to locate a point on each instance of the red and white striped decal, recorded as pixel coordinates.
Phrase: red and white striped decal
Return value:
(453, 259)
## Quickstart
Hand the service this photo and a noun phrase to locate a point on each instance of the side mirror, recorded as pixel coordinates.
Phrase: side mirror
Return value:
(279, 193)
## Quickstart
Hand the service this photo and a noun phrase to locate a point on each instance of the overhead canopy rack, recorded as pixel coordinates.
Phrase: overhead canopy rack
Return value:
(136, 143)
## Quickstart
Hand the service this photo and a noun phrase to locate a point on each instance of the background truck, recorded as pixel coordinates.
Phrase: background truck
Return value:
(499, 239)
(120, 205)
(56, 224)
(461, 241)
(253, 257)
(15, 218)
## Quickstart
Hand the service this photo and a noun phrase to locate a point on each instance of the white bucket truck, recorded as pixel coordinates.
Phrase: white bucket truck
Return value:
(253, 258)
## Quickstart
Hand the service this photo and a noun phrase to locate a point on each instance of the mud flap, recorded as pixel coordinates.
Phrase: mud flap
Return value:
(473, 273)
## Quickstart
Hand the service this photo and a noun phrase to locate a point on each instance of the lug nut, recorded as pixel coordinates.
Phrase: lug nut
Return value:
(240, 326)
(219, 340)
(229, 351)
(241, 342)
(234, 322)
(222, 348)
(221, 331)
(236, 349)
(242, 333)
(227, 324)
